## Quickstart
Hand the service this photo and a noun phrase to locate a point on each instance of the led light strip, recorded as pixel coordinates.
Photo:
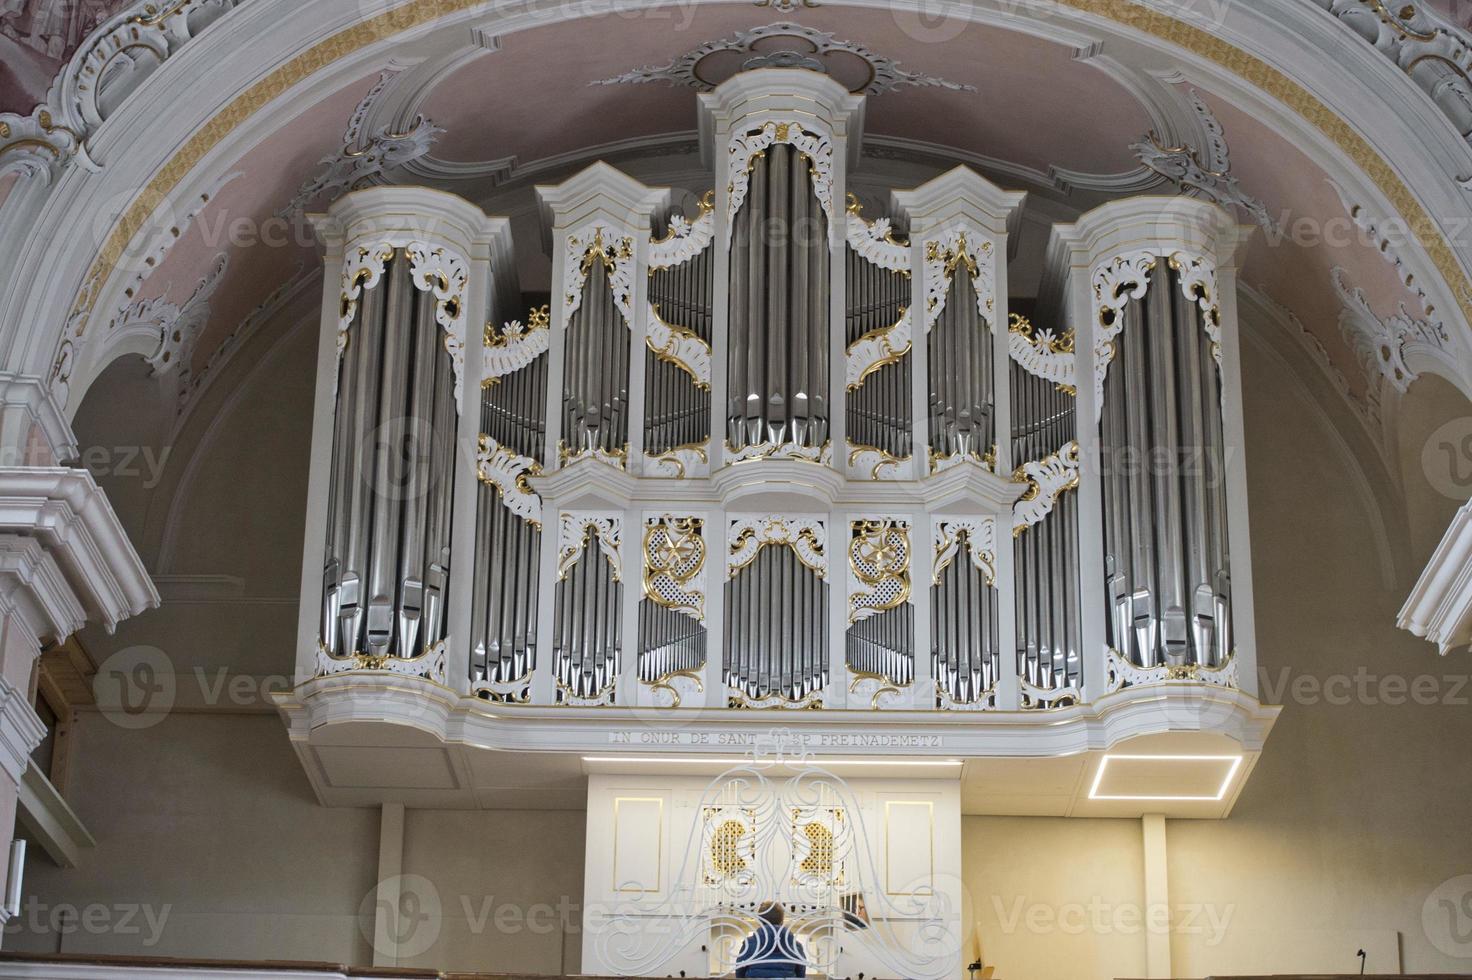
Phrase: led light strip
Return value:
(1235, 760)
(734, 760)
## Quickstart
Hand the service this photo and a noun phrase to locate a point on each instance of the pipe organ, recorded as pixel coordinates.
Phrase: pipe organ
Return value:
(915, 497)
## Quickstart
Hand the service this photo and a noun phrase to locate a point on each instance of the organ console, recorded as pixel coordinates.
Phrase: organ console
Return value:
(771, 451)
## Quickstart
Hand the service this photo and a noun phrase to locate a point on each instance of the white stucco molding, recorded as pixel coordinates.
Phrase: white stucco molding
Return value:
(20, 730)
(67, 513)
(1439, 608)
(34, 594)
(32, 423)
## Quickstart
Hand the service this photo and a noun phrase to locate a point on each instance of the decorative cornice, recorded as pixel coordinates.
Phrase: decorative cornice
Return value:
(21, 730)
(34, 590)
(70, 516)
(1439, 608)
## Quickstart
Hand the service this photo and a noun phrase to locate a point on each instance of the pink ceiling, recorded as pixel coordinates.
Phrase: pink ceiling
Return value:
(1034, 106)
(533, 98)
(265, 251)
(1315, 236)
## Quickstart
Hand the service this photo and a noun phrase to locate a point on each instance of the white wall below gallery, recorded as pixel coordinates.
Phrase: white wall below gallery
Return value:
(651, 866)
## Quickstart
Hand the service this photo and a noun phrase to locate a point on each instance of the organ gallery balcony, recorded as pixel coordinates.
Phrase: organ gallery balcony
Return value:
(770, 463)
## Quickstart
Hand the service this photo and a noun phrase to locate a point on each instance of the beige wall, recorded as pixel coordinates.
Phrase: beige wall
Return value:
(1356, 812)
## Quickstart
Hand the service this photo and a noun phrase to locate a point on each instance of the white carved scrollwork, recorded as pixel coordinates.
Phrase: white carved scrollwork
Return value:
(877, 692)
(948, 252)
(874, 241)
(576, 527)
(879, 464)
(507, 471)
(674, 564)
(599, 242)
(518, 691)
(678, 346)
(877, 349)
(1126, 277)
(747, 536)
(602, 699)
(1124, 674)
(787, 450)
(111, 61)
(980, 534)
(515, 346)
(675, 689)
(1046, 699)
(686, 238)
(1042, 353)
(434, 269)
(1380, 342)
(879, 560)
(1047, 479)
(816, 147)
(430, 664)
(679, 462)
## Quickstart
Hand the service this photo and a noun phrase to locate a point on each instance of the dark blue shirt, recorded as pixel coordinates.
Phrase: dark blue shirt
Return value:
(771, 952)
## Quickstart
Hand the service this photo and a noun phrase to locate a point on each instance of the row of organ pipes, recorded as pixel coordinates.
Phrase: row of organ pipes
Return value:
(668, 597)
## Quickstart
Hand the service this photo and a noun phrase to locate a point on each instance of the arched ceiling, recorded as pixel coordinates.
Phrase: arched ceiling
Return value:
(1036, 104)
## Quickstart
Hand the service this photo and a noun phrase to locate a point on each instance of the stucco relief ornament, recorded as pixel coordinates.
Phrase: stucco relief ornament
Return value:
(884, 75)
(110, 62)
(1126, 277)
(1042, 353)
(980, 537)
(430, 665)
(879, 559)
(175, 328)
(747, 536)
(875, 463)
(877, 349)
(1124, 674)
(599, 242)
(503, 468)
(679, 463)
(678, 346)
(575, 528)
(434, 269)
(674, 564)
(686, 239)
(515, 346)
(352, 167)
(1047, 479)
(817, 148)
(1211, 178)
(1380, 342)
(874, 241)
(959, 248)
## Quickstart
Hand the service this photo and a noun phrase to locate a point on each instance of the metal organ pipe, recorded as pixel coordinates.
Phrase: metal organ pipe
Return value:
(507, 546)
(960, 373)
(779, 295)
(595, 379)
(676, 410)
(878, 411)
(1167, 582)
(1045, 556)
(387, 565)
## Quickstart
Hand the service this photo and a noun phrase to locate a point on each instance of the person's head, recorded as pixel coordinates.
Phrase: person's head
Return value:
(772, 913)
